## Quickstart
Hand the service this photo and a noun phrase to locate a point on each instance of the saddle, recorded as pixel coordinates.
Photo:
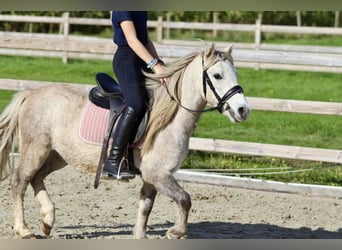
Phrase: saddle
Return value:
(107, 94)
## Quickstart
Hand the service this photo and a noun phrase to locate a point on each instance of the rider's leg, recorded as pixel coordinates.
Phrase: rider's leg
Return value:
(128, 69)
(116, 167)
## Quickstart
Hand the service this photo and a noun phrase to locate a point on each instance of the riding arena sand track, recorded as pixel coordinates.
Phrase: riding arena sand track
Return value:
(218, 212)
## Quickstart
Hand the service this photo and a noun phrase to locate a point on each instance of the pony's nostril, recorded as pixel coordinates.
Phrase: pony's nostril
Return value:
(242, 111)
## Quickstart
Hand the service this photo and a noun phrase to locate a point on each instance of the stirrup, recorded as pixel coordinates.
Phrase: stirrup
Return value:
(120, 173)
(123, 160)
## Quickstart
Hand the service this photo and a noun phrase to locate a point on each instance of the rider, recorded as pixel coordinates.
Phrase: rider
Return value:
(135, 52)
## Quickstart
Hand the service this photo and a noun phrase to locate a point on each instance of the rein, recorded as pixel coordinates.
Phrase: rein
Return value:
(207, 82)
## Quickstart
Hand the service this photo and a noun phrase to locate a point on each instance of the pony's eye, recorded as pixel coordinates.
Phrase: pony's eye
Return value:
(217, 76)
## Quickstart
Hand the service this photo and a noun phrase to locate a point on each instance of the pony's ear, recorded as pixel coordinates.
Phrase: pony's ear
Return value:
(209, 50)
(229, 49)
(228, 53)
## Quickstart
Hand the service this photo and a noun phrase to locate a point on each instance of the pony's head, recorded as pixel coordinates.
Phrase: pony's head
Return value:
(220, 85)
(219, 89)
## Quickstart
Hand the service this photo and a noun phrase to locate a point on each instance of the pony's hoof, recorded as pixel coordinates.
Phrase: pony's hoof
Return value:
(29, 237)
(24, 234)
(46, 229)
(175, 234)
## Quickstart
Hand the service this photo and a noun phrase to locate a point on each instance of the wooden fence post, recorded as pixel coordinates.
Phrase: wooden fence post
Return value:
(215, 21)
(337, 19)
(66, 26)
(168, 19)
(160, 30)
(299, 22)
(257, 36)
(299, 18)
(30, 29)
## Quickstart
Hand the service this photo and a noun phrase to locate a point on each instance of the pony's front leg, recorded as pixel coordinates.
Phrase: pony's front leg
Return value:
(147, 196)
(170, 187)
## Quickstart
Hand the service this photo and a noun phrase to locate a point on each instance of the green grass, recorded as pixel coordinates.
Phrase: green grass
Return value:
(52, 69)
(266, 168)
(297, 85)
(5, 96)
(275, 128)
(263, 127)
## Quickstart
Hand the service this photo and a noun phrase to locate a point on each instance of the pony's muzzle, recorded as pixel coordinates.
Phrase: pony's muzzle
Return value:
(244, 111)
(239, 113)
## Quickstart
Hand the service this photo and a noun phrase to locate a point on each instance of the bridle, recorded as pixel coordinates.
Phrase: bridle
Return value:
(237, 89)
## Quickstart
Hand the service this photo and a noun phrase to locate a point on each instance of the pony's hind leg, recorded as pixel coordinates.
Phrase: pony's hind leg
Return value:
(18, 187)
(147, 196)
(47, 208)
(20, 179)
(168, 185)
(33, 153)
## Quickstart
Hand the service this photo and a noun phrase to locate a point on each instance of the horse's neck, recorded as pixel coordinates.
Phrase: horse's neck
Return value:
(191, 98)
(185, 122)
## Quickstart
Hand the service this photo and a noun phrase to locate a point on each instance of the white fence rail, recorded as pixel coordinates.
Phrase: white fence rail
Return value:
(262, 149)
(96, 48)
(257, 184)
(256, 55)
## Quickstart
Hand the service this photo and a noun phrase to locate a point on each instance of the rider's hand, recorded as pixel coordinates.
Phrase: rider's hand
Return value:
(159, 69)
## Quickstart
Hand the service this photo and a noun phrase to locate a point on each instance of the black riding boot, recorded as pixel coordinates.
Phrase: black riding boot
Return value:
(116, 167)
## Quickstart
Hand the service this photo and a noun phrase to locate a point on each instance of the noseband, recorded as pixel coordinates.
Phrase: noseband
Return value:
(237, 89)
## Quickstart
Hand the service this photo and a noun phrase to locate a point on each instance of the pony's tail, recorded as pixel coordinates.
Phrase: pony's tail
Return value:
(8, 133)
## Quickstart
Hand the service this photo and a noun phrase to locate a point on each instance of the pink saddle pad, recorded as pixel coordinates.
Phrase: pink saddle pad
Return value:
(93, 124)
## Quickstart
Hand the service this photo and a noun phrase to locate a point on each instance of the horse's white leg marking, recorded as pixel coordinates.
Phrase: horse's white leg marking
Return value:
(47, 211)
(147, 196)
